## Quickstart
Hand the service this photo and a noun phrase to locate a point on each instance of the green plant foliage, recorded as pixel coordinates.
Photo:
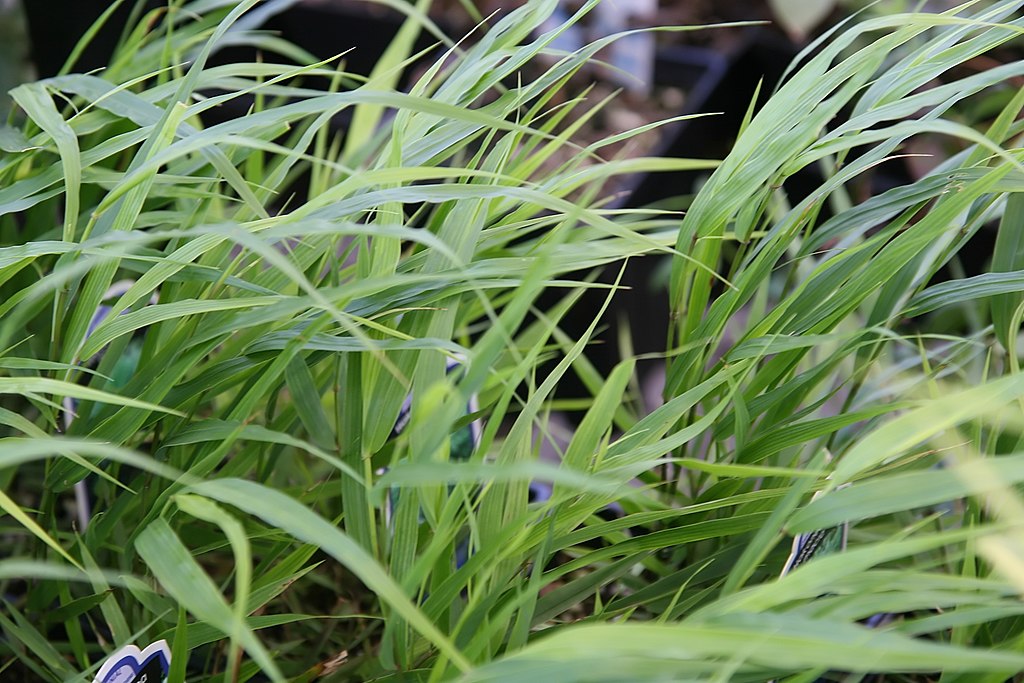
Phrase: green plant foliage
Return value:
(288, 284)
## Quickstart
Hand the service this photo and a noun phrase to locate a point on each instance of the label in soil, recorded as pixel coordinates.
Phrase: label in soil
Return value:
(132, 665)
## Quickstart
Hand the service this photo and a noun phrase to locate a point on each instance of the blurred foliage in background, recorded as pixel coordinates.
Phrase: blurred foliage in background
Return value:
(15, 67)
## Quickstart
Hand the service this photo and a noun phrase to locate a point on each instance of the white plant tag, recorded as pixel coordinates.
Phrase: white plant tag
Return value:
(132, 665)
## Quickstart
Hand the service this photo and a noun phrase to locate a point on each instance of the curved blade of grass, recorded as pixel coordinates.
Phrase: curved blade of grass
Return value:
(54, 387)
(1008, 255)
(892, 493)
(641, 652)
(283, 512)
(916, 426)
(177, 571)
(39, 107)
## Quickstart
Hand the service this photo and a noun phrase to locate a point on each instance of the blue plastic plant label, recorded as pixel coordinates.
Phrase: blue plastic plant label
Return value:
(132, 665)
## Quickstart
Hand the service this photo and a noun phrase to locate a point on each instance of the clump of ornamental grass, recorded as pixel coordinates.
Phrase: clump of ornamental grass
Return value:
(273, 287)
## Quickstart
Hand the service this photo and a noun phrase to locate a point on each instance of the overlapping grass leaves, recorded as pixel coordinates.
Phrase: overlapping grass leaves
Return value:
(292, 286)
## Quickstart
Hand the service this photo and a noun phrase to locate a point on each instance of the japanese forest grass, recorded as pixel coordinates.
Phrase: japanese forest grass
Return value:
(291, 286)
